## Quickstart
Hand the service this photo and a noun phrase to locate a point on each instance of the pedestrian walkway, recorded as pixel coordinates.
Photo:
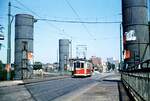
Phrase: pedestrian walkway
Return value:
(27, 81)
(103, 91)
(10, 83)
(108, 88)
(36, 80)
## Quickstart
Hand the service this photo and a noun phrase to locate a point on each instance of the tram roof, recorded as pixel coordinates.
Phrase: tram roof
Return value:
(79, 59)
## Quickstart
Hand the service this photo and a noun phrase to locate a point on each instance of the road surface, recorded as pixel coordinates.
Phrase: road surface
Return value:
(48, 90)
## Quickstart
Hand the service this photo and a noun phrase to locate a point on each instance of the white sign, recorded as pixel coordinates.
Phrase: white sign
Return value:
(130, 36)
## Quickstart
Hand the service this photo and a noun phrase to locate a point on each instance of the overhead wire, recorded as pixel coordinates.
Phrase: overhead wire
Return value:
(87, 22)
(65, 21)
(54, 26)
(79, 19)
(28, 9)
(17, 7)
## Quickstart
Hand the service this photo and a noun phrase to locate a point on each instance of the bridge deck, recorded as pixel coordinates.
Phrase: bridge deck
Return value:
(109, 89)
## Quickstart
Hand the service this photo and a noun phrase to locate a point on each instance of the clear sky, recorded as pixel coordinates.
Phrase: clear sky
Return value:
(103, 40)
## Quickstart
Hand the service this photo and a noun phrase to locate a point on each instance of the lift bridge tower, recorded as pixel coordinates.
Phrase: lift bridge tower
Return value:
(81, 51)
(24, 24)
(135, 31)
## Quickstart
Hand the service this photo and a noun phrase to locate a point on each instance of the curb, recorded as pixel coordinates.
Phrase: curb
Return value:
(42, 80)
(21, 82)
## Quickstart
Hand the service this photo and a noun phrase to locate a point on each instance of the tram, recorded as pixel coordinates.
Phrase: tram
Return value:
(81, 68)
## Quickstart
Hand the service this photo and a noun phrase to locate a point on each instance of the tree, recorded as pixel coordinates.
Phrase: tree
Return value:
(37, 65)
(1, 65)
(1, 70)
(113, 66)
(110, 66)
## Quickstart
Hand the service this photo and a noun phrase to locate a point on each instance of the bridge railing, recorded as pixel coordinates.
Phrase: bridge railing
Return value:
(136, 79)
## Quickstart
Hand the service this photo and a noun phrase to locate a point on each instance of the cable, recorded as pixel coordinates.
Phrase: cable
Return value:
(77, 22)
(17, 7)
(65, 21)
(30, 10)
(79, 18)
(87, 22)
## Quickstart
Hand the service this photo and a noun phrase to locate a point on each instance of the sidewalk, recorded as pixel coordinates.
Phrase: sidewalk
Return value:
(27, 81)
(109, 88)
(105, 90)
(10, 83)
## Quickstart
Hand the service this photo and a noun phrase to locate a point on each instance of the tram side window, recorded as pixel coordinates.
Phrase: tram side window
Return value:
(75, 65)
(88, 65)
(82, 65)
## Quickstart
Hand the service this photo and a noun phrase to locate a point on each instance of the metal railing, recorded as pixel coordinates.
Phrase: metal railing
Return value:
(136, 79)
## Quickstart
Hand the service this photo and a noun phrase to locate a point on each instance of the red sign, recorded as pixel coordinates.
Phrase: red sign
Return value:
(8, 66)
(127, 54)
(30, 55)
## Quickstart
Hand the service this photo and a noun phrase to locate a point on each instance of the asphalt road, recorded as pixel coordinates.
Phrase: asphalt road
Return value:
(47, 90)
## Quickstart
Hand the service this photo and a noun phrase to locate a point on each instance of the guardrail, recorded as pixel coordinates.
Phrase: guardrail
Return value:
(136, 79)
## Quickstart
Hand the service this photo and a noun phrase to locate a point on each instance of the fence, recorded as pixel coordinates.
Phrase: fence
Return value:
(136, 79)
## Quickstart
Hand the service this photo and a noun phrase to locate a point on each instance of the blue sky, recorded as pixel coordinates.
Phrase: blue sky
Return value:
(103, 40)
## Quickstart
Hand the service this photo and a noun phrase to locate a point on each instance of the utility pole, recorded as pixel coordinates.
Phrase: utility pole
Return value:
(121, 46)
(81, 51)
(71, 48)
(8, 66)
(57, 55)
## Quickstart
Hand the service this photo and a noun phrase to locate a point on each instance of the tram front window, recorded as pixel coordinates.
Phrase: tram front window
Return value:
(78, 64)
(82, 65)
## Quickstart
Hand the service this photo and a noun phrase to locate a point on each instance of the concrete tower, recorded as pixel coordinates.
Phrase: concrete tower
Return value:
(135, 29)
(63, 54)
(23, 45)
